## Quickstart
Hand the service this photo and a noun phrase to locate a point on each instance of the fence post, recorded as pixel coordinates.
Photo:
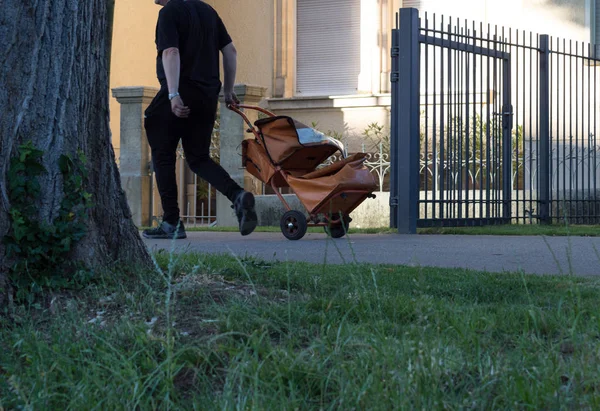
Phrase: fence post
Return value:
(394, 127)
(507, 125)
(405, 133)
(544, 116)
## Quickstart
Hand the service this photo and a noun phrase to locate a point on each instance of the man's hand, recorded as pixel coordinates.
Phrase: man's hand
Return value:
(231, 98)
(178, 108)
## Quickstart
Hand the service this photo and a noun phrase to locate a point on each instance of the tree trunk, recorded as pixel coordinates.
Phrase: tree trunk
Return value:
(54, 92)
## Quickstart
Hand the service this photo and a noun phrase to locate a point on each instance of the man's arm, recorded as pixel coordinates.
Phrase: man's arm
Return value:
(229, 73)
(172, 64)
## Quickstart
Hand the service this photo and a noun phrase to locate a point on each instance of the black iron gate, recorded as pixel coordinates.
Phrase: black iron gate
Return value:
(474, 140)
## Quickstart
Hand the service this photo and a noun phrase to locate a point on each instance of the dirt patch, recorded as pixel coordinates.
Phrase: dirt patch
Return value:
(195, 294)
(191, 316)
(185, 382)
(213, 284)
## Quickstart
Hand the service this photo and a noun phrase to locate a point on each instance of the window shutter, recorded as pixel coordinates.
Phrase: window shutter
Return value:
(328, 47)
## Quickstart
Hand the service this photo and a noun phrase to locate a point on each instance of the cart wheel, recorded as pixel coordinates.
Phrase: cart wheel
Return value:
(293, 225)
(339, 228)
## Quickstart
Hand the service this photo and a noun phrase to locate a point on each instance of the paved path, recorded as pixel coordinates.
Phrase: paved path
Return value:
(532, 254)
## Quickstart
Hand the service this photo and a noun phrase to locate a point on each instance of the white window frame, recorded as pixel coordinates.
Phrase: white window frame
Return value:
(374, 62)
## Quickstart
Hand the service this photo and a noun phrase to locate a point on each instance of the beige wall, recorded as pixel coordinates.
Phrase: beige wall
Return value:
(249, 22)
(133, 53)
(250, 25)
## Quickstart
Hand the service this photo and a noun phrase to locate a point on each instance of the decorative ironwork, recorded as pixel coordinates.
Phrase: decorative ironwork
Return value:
(379, 163)
(584, 159)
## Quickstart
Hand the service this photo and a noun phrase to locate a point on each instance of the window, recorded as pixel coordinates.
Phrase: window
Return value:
(328, 40)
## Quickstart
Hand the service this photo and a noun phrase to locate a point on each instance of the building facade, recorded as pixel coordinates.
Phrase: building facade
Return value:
(327, 62)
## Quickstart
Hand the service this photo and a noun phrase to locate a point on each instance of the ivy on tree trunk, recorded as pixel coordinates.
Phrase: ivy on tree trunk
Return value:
(54, 92)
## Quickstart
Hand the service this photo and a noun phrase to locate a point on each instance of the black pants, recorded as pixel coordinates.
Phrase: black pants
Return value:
(164, 130)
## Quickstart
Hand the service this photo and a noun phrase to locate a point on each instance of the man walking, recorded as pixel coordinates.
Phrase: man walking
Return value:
(189, 37)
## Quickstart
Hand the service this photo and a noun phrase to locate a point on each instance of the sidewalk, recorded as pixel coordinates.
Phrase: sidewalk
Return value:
(531, 254)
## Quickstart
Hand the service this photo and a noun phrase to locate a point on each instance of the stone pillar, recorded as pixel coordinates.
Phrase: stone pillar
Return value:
(233, 131)
(134, 160)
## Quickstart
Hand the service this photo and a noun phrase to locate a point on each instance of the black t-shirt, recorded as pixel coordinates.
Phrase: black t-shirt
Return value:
(198, 32)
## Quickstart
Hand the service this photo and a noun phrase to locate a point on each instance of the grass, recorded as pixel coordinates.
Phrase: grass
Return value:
(217, 332)
(517, 229)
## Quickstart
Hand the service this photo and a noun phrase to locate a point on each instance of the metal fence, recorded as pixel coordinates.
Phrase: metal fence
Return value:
(491, 126)
(197, 198)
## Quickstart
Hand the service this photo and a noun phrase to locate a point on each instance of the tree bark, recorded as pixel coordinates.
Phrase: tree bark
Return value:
(54, 92)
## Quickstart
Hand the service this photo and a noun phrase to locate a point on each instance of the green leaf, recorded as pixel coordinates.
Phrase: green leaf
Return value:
(39, 247)
(36, 168)
(66, 243)
(65, 164)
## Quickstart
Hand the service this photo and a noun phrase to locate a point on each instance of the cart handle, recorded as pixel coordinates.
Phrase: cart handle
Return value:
(262, 110)
(236, 108)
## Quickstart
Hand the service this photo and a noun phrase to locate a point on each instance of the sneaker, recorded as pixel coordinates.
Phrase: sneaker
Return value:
(244, 210)
(166, 230)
